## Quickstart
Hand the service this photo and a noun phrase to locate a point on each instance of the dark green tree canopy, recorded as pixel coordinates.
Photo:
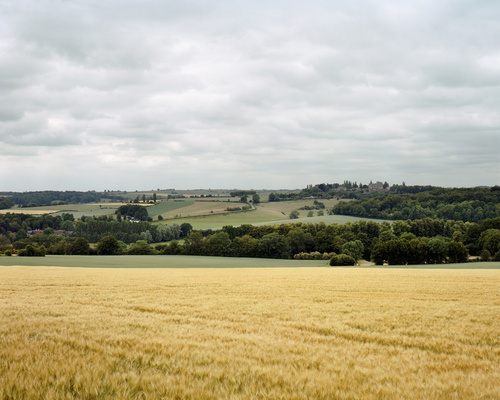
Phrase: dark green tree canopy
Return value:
(108, 246)
(274, 245)
(133, 211)
(80, 247)
(141, 247)
(5, 203)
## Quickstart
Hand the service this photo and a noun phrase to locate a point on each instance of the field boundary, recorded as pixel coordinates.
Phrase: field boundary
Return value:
(204, 262)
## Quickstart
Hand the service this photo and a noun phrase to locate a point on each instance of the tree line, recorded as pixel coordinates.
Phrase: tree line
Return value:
(47, 197)
(128, 232)
(402, 242)
(21, 224)
(464, 204)
(345, 190)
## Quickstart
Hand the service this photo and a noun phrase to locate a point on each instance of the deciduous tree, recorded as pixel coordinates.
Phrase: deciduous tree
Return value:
(108, 245)
(274, 245)
(79, 247)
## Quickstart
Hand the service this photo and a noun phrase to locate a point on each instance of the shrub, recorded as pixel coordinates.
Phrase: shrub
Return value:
(342, 260)
(172, 248)
(30, 251)
(315, 255)
(141, 247)
(485, 255)
(60, 248)
(302, 256)
(80, 247)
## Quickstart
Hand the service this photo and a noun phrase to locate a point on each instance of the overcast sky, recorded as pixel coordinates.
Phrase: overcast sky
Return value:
(248, 94)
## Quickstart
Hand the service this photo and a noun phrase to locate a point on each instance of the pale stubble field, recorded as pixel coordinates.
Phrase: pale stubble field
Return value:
(269, 333)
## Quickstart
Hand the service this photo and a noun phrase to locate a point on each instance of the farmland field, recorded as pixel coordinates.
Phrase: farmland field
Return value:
(78, 210)
(257, 218)
(199, 215)
(190, 208)
(202, 214)
(245, 333)
(164, 207)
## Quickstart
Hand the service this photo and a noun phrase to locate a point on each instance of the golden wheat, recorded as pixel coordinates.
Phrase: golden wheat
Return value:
(284, 333)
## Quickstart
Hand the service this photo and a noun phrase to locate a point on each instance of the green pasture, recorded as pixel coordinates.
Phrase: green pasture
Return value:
(167, 206)
(200, 262)
(286, 207)
(268, 214)
(327, 219)
(254, 218)
(217, 221)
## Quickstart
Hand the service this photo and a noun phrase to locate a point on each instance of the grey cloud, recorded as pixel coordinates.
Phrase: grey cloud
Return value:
(10, 112)
(311, 92)
(45, 139)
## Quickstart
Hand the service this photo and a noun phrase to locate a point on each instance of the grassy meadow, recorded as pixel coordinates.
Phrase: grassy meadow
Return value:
(200, 214)
(292, 332)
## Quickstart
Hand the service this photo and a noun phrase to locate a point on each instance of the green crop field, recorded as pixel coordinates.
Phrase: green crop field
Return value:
(160, 261)
(122, 329)
(167, 206)
(156, 262)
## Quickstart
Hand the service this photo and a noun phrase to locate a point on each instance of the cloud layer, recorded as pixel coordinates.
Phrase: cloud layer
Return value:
(234, 94)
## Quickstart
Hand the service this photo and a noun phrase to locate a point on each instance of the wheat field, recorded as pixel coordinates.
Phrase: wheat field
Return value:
(249, 333)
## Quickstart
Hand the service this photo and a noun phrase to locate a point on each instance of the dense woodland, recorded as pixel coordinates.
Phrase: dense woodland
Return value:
(48, 197)
(465, 204)
(402, 242)
(345, 190)
(402, 202)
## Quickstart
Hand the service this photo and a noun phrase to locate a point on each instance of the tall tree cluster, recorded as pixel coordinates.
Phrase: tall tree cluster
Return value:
(468, 205)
